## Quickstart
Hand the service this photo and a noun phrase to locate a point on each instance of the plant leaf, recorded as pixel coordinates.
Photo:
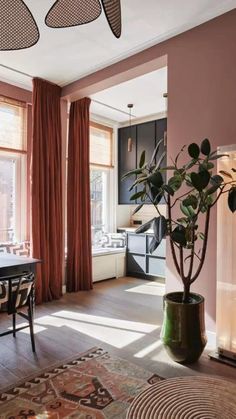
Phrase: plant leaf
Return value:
(131, 173)
(216, 180)
(191, 200)
(206, 147)
(178, 235)
(137, 195)
(175, 182)
(156, 179)
(153, 245)
(232, 199)
(181, 151)
(159, 228)
(224, 173)
(217, 156)
(156, 194)
(190, 164)
(168, 189)
(161, 160)
(193, 151)
(138, 208)
(142, 159)
(196, 181)
(200, 180)
(156, 151)
(212, 189)
(188, 211)
(205, 178)
(144, 227)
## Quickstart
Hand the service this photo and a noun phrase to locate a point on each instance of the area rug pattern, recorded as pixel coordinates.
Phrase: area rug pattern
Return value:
(95, 385)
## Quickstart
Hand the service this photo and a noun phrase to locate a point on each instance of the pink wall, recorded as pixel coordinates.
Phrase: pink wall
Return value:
(15, 92)
(201, 103)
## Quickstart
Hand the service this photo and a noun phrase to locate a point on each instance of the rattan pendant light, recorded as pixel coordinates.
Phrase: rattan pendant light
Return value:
(18, 29)
(112, 9)
(67, 13)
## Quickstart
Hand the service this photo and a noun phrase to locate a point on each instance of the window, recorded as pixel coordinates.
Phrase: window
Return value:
(101, 164)
(13, 170)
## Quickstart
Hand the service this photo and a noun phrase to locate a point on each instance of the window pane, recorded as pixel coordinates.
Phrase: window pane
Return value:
(7, 199)
(12, 125)
(100, 147)
(98, 190)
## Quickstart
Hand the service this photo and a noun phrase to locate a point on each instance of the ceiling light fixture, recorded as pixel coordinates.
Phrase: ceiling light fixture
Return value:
(18, 29)
(68, 13)
(130, 142)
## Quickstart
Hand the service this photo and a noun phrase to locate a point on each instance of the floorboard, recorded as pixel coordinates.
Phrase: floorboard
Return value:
(123, 316)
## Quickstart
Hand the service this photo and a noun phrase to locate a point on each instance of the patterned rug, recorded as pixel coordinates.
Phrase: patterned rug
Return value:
(93, 386)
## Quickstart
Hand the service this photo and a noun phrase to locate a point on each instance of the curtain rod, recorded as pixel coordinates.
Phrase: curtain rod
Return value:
(112, 107)
(93, 100)
(17, 71)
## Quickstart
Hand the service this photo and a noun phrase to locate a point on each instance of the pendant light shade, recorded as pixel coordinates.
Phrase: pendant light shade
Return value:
(18, 29)
(112, 9)
(67, 13)
(130, 141)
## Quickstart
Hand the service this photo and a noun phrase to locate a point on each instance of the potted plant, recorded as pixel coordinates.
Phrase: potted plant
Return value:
(190, 193)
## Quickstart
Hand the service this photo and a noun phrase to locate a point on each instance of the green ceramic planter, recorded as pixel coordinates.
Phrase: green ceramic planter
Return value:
(183, 331)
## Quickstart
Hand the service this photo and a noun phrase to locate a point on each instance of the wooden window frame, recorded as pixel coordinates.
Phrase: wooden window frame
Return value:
(111, 132)
(22, 177)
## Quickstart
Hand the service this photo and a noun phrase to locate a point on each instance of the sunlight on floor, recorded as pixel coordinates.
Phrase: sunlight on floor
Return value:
(115, 332)
(150, 348)
(151, 288)
(37, 328)
(107, 321)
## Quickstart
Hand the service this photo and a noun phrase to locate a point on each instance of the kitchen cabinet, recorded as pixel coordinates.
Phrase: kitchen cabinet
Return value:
(144, 136)
(126, 162)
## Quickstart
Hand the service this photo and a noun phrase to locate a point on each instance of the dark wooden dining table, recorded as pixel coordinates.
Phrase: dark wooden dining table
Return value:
(12, 264)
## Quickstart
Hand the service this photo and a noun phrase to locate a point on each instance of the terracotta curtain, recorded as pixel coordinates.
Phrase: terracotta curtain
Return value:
(79, 248)
(47, 190)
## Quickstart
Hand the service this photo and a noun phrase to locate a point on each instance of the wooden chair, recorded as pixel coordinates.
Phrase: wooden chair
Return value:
(17, 292)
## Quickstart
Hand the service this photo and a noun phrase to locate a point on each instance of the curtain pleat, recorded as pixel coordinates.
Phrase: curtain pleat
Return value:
(47, 227)
(79, 248)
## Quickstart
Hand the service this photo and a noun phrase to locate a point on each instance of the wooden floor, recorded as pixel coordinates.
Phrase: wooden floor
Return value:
(123, 316)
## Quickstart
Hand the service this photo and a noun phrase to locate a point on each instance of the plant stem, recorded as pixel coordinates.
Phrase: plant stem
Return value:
(204, 247)
(191, 255)
(171, 242)
(186, 293)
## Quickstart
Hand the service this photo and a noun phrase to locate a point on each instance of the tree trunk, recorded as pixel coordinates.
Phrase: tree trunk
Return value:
(186, 294)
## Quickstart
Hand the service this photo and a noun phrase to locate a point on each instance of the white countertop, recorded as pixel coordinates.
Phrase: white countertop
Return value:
(133, 229)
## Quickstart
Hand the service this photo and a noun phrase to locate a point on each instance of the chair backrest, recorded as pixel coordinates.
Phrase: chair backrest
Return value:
(14, 291)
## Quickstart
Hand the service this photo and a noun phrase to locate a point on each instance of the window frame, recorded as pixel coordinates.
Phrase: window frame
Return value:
(21, 158)
(110, 130)
(110, 175)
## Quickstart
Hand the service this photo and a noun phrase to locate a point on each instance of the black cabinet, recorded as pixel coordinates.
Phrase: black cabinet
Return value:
(146, 140)
(126, 162)
(144, 137)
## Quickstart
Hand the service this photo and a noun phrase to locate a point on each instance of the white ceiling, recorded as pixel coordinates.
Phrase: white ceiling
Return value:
(145, 92)
(64, 55)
